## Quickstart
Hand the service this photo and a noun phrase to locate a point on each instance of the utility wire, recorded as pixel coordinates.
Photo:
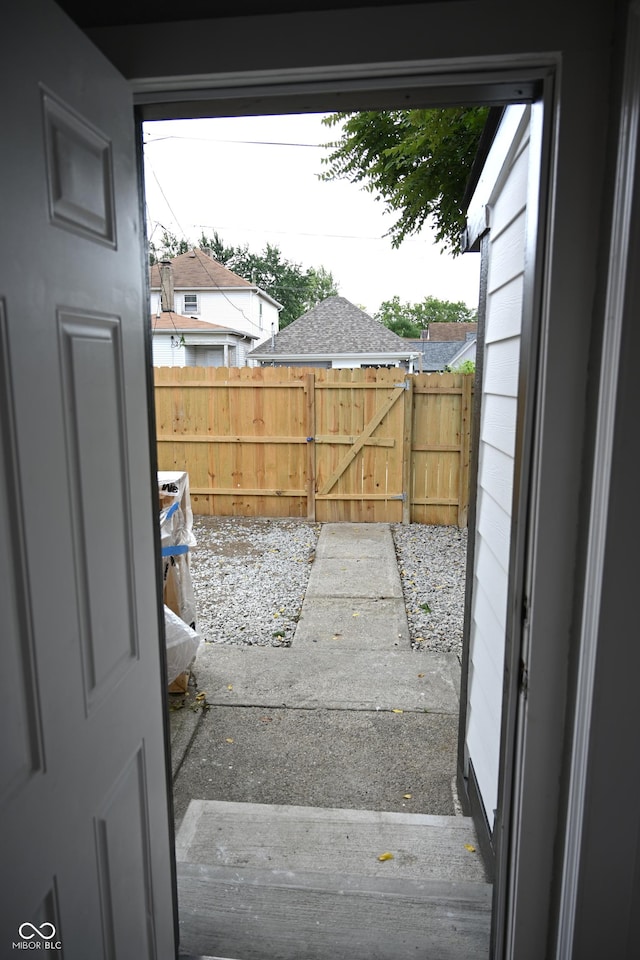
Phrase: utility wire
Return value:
(258, 143)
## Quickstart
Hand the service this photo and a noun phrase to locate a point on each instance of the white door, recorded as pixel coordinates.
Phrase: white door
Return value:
(86, 829)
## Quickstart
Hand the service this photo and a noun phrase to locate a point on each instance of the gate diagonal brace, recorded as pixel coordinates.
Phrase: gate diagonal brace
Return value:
(364, 436)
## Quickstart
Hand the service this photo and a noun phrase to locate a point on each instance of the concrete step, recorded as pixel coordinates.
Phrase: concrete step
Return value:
(255, 914)
(328, 840)
(262, 882)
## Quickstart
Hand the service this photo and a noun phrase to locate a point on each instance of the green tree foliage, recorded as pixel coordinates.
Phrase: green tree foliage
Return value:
(417, 162)
(167, 247)
(409, 319)
(289, 283)
(467, 366)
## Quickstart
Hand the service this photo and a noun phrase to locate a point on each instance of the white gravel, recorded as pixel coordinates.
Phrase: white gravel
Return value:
(432, 565)
(250, 576)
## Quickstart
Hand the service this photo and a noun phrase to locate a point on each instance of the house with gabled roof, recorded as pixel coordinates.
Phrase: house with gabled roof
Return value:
(195, 285)
(445, 345)
(335, 334)
(180, 341)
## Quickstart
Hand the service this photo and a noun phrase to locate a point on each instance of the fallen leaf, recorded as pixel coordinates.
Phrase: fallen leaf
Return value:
(337, 636)
(385, 856)
(266, 719)
(356, 614)
(407, 796)
(200, 696)
(470, 847)
(229, 686)
(397, 710)
(421, 674)
(419, 639)
(229, 740)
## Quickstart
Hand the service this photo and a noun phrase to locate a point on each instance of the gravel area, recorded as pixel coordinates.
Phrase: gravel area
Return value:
(250, 576)
(432, 565)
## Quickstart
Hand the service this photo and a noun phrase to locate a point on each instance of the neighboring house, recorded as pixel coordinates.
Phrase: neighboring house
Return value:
(444, 345)
(434, 356)
(448, 332)
(466, 353)
(195, 285)
(335, 334)
(184, 342)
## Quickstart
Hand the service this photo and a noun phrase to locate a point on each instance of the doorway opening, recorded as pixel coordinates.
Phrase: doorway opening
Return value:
(479, 768)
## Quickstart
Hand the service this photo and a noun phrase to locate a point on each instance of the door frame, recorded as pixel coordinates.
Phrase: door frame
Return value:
(531, 754)
(153, 455)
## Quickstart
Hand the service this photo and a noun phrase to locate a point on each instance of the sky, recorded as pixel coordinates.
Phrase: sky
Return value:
(255, 181)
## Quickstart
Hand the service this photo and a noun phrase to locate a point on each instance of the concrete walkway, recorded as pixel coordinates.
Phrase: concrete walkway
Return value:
(315, 796)
(349, 716)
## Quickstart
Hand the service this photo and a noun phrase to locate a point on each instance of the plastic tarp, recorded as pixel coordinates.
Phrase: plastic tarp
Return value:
(176, 539)
(183, 644)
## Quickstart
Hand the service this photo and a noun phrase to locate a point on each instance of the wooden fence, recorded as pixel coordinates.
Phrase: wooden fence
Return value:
(329, 445)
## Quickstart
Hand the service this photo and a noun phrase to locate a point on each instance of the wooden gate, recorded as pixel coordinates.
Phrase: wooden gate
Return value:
(329, 445)
(359, 445)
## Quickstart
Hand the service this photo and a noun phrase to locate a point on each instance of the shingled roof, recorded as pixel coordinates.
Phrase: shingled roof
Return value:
(437, 354)
(334, 326)
(169, 322)
(197, 269)
(446, 331)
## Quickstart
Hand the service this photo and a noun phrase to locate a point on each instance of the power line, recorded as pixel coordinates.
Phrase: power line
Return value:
(257, 143)
(288, 233)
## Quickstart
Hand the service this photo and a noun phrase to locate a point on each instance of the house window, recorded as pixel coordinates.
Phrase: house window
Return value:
(260, 315)
(190, 303)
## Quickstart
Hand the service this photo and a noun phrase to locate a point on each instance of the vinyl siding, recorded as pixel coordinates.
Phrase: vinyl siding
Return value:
(236, 309)
(164, 355)
(495, 467)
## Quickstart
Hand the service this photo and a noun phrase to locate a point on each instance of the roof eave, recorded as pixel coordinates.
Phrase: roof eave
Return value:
(327, 355)
(201, 332)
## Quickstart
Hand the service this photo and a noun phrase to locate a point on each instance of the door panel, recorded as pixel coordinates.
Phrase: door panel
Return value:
(87, 842)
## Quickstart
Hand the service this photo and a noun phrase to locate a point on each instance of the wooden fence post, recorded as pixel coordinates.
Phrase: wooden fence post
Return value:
(465, 449)
(407, 437)
(310, 390)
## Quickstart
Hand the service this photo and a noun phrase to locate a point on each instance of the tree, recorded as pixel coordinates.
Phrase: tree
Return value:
(417, 162)
(409, 319)
(289, 283)
(167, 247)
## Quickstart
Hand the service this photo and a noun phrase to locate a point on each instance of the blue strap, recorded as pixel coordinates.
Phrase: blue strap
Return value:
(177, 551)
(172, 509)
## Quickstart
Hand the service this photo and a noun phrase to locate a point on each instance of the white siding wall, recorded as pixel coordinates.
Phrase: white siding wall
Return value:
(237, 309)
(164, 355)
(203, 353)
(507, 204)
